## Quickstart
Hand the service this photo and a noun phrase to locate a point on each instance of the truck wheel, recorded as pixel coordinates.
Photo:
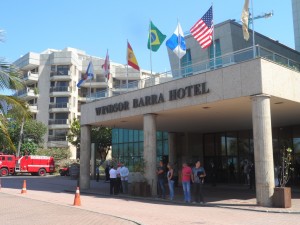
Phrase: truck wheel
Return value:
(42, 172)
(3, 172)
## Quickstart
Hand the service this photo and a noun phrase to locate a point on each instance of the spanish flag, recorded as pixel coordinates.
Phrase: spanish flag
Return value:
(131, 58)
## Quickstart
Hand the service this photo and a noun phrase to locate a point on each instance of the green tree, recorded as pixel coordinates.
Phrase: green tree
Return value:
(9, 81)
(101, 136)
(33, 131)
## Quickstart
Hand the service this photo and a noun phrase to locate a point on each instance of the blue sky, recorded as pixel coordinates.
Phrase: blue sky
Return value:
(95, 26)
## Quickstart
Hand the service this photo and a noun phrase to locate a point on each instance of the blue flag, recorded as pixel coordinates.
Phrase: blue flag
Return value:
(177, 43)
(88, 75)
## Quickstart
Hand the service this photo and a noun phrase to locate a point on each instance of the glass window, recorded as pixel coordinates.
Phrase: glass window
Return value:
(231, 144)
(125, 135)
(62, 99)
(130, 135)
(115, 136)
(61, 115)
(209, 146)
(125, 149)
(158, 135)
(159, 148)
(50, 132)
(296, 140)
(135, 135)
(186, 62)
(136, 149)
(221, 144)
(141, 135)
(62, 69)
(121, 136)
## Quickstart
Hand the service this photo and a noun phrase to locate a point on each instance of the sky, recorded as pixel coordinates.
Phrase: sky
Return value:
(95, 26)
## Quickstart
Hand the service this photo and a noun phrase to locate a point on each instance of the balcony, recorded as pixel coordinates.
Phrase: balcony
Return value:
(30, 78)
(60, 91)
(59, 107)
(60, 76)
(27, 94)
(59, 124)
(57, 141)
(94, 84)
(33, 108)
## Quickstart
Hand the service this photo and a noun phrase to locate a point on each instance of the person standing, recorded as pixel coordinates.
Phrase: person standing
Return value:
(198, 180)
(107, 168)
(170, 176)
(161, 179)
(97, 173)
(124, 172)
(113, 178)
(186, 182)
(118, 180)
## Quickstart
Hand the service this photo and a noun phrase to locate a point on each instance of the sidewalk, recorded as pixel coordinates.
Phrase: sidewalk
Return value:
(224, 196)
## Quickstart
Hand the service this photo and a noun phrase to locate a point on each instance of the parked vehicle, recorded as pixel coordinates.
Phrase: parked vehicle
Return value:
(34, 164)
(64, 171)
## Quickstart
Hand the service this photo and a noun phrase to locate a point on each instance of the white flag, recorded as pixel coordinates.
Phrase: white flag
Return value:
(245, 20)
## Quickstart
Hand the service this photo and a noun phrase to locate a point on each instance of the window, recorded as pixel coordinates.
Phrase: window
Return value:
(186, 64)
(51, 99)
(51, 115)
(63, 69)
(50, 132)
(62, 99)
(218, 59)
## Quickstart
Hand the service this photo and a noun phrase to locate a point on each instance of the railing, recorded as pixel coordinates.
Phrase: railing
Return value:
(200, 67)
(59, 89)
(59, 105)
(60, 73)
(58, 121)
(57, 138)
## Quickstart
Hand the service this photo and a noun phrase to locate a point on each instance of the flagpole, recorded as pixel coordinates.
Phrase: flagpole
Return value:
(150, 50)
(179, 41)
(107, 75)
(253, 33)
(127, 66)
(90, 84)
(214, 46)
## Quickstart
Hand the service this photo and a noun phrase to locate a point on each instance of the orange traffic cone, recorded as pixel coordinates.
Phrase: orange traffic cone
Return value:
(77, 201)
(24, 191)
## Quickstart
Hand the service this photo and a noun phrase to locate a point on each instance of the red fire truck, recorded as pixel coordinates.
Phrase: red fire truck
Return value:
(34, 164)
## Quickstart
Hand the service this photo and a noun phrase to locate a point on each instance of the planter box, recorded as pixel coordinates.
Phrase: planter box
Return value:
(282, 197)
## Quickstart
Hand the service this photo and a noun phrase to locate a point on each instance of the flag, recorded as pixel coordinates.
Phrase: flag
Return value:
(203, 29)
(245, 20)
(89, 74)
(106, 67)
(177, 43)
(155, 39)
(131, 58)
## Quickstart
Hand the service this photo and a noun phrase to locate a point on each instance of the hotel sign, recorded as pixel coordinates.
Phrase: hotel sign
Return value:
(175, 94)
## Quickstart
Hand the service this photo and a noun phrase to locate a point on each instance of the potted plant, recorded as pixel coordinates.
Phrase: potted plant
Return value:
(282, 195)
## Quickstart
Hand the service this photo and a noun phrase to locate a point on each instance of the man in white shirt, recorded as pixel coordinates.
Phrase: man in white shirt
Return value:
(113, 178)
(124, 172)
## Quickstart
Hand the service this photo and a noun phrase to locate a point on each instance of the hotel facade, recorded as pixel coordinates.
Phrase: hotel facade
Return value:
(240, 104)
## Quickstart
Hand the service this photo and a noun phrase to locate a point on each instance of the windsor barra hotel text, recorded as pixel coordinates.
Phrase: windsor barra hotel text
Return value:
(175, 94)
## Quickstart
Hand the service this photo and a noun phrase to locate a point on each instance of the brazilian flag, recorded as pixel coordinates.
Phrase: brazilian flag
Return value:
(156, 38)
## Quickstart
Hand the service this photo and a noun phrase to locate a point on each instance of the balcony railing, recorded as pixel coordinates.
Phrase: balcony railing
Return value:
(59, 89)
(60, 73)
(59, 105)
(57, 138)
(58, 122)
(200, 67)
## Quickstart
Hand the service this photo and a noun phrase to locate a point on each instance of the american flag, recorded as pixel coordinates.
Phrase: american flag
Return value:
(203, 29)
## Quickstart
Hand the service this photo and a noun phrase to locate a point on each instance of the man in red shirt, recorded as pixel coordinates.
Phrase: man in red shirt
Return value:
(186, 182)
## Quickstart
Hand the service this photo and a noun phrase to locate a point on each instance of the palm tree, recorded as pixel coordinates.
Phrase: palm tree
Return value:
(9, 81)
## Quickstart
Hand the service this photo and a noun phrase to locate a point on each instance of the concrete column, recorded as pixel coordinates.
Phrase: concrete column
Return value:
(150, 151)
(172, 150)
(263, 149)
(93, 161)
(85, 156)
